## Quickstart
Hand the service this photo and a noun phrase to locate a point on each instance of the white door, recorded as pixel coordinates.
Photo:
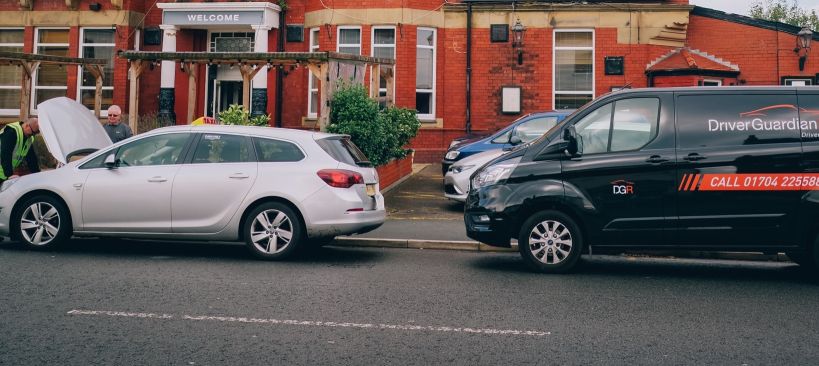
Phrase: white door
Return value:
(135, 196)
(208, 191)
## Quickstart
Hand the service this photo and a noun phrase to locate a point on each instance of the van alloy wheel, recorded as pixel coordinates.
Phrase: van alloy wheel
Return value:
(550, 242)
(271, 231)
(40, 223)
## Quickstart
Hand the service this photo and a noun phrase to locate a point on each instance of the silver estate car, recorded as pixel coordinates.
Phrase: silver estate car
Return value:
(275, 189)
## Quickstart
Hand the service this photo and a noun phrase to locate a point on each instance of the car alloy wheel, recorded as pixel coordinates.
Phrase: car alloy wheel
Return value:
(550, 242)
(40, 223)
(271, 231)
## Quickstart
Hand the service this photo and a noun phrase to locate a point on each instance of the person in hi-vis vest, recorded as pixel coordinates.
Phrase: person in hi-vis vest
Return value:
(16, 139)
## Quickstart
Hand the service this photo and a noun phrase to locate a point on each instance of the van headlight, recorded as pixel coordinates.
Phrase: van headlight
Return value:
(452, 155)
(494, 174)
(7, 184)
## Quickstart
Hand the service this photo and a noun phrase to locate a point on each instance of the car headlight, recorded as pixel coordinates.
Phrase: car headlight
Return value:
(494, 174)
(7, 184)
(459, 168)
(452, 155)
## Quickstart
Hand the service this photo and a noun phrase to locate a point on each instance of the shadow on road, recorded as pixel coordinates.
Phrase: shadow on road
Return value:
(184, 249)
(628, 267)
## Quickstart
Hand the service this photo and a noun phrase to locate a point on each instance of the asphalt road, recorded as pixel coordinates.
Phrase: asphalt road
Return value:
(130, 302)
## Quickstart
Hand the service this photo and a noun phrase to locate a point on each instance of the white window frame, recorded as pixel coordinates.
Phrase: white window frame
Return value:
(555, 48)
(34, 78)
(314, 36)
(16, 111)
(808, 81)
(394, 50)
(338, 38)
(714, 82)
(429, 116)
(80, 88)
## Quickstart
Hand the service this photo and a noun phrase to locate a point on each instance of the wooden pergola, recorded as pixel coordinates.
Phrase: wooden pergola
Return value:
(29, 63)
(320, 64)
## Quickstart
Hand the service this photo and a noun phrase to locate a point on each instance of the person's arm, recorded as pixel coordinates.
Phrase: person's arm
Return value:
(128, 132)
(7, 141)
(32, 161)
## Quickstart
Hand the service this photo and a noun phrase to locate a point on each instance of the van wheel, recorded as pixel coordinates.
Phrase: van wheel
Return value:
(801, 258)
(273, 231)
(42, 223)
(550, 242)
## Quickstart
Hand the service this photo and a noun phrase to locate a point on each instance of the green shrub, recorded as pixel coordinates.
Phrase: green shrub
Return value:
(380, 134)
(238, 115)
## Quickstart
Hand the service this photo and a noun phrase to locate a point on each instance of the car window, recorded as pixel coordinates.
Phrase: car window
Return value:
(593, 130)
(215, 148)
(343, 150)
(502, 139)
(155, 150)
(717, 120)
(534, 128)
(97, 162)
(635, 123)
(269, 150)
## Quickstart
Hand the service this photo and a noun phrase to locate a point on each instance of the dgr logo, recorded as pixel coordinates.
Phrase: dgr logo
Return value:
(621, 187)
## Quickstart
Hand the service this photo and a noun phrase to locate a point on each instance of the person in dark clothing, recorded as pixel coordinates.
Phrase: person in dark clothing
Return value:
(116, 131)
(16, 139)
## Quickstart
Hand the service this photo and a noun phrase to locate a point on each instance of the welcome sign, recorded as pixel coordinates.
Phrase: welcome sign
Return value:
(227, 17)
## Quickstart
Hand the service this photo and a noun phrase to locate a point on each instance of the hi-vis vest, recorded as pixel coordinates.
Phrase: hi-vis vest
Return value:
(20, 148)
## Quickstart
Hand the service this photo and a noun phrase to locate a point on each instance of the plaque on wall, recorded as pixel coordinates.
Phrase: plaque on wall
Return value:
(232, 44)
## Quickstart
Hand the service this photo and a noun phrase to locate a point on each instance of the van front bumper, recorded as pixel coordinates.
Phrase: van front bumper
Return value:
(488, 227)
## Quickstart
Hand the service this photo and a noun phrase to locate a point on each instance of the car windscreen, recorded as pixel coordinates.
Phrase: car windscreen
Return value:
(343, 150)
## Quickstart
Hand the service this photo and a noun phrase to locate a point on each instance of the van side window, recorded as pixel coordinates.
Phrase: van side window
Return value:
(635, 123)
(632, 125)
(735, 120)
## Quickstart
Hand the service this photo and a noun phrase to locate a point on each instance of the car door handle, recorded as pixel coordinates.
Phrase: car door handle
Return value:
(694, 157)
(239, 176)
(158, 179)
(656, 159)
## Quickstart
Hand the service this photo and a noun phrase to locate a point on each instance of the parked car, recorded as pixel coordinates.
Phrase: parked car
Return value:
(456, 180)
(522, 130)
(275, 189)
(712, 169)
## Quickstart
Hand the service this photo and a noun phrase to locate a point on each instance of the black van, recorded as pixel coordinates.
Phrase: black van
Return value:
(722, 169)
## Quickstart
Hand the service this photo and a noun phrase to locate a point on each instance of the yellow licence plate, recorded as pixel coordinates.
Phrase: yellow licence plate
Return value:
(371, 189)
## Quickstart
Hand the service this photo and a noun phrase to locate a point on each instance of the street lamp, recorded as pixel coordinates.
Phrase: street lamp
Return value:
(517, 41)
(803, 39)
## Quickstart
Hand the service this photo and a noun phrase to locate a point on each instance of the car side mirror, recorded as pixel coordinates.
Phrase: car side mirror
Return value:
(515, 139)
(570, 136)
(111, 162)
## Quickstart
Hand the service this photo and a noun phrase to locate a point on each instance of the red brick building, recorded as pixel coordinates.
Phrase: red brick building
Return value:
(445, 51)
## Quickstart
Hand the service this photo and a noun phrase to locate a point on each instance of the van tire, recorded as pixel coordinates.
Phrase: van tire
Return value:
(801, 258)
(556, 254)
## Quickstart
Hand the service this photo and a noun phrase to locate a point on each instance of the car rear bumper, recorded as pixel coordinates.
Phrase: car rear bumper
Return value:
(351, 223)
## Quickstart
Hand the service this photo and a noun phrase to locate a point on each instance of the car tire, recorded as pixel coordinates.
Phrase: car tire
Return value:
(550, 242)
(41, 223)
(273, 231)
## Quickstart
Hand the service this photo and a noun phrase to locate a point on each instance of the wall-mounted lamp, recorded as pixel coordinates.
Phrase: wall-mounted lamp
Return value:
(803, 39)
(517, 40)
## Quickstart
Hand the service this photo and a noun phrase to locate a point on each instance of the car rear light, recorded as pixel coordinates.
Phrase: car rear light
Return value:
(340, 178)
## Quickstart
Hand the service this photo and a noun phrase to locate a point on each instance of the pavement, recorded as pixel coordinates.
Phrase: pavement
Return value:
(419, 216)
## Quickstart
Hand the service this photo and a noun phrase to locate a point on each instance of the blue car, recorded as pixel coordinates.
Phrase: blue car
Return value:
(522, 130)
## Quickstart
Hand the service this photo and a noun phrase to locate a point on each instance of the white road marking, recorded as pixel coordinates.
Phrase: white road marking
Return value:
(312, 323)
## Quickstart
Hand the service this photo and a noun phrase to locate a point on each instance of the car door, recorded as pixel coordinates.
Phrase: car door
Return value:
(626, 170)
(135, 196)
(211, 185)
(732, 152)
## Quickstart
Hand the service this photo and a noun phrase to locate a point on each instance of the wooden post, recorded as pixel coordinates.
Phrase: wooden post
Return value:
(97, 72)
(137, 66)
(375, 80)
(248, 72)
(387, 74)
(321, 72)
(25, 92)
(190, 69)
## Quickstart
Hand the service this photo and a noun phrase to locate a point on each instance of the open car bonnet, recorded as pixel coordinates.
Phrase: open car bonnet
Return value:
(69, 128)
